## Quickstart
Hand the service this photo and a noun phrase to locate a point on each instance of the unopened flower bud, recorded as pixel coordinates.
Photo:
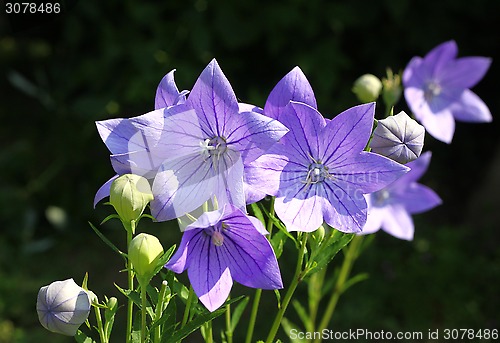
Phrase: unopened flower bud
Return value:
(144, 252)
(392, 89)
(367, 88)
(62, 307)
(398, 137)
(129, 194)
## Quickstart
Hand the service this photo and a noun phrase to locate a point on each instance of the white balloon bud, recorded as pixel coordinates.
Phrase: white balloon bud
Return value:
(398, 137)
(367, 88)
(62, 307)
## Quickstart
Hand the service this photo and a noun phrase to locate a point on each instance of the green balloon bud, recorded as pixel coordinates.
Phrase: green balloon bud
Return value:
(144, 252)
(367, 88)
(130, 194)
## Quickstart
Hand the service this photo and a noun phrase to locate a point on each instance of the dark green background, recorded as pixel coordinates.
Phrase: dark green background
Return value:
(97, 60)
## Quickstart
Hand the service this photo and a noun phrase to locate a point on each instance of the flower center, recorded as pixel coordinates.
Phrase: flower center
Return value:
(215, 147)
(317, 173)
(380, 198)
(217, 238)
(432, 90)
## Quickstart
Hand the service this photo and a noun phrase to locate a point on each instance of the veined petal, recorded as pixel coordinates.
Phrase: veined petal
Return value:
(464, 72)
(249, 254)
(300, 209)
(179, 261)
(418, 198)
(346, 134)
(398, 223)
(294, 86)
(181, 186)
(439, 57)
(367, 172)
(104, 190)
(209, 273)
(264, 174)
(116, 134)
(470, 108)
(167, 93)
(143, 163)
(304, 123)
(213, 99)
(229, 180)
(346, 207)
(252, 134)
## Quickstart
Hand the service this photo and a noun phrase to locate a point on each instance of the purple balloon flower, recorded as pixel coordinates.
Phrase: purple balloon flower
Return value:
(210, 139)
(437, 90)
(129, 145)
(319, 172)
(222, 246)
(294, 86)
(391, 208)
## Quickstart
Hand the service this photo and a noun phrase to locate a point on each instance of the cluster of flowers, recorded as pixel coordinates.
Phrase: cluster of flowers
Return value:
(204, 147)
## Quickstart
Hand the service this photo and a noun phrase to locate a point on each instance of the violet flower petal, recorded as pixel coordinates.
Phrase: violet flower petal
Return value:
(294, 86)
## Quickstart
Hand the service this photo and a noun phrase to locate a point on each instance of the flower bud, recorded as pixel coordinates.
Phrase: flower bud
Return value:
(62, 307)
(129, 194)
(367, 88)
(398, 137)
(144, 252)
(392, 89)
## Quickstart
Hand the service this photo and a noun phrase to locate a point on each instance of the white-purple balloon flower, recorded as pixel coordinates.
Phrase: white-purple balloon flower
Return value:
(209, 144)
(437, 90)
(134, 147)
(222, 246)
(390, 209)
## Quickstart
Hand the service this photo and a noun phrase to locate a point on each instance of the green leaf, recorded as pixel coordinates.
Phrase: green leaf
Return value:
(278, 242)
(327, 251)
(354, 280)
(107, 241)
(132, 295)
(111, 216)
(303, 315)
(164, 259)
(81, 337)
(238, 311)
(258, 213)
(288, 326)
(278, 297)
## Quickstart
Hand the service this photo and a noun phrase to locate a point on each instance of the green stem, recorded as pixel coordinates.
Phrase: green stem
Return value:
(350, 257)
(188, 306)
(100, 328)
(130, 228)
(208, 332)
(253, 315)
(229, 332)
(143, 313)
(288, 296)
(270, 223)
(159, 311)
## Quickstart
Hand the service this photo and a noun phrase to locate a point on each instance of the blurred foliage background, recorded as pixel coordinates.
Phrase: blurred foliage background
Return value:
(97, 60)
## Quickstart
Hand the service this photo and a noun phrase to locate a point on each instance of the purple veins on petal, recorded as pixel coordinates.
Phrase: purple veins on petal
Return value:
(222, 246)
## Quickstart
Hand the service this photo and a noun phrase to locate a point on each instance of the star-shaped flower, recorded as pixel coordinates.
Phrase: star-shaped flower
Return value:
(319, 172)
(437, 90)
(391, 208)
(210, 139)
(131, 151)
(222, 246)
